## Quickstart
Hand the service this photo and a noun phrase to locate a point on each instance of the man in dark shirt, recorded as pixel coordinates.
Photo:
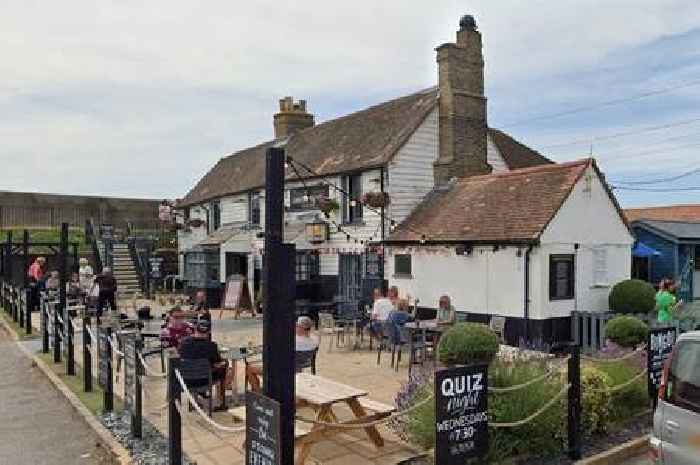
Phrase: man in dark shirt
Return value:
(200, 346)
(107, 285)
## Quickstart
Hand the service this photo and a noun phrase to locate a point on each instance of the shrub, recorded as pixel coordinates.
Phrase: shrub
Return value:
(631, 400)
(467, 343)
(595, 400)
(627, 331)
(632, 296)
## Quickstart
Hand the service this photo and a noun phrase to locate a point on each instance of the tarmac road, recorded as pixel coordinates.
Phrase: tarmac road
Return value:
(37, 424)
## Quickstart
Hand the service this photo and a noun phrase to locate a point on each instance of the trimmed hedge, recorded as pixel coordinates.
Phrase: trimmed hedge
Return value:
(467, 343)
(596, 400)
(632, 296)
(627, 331)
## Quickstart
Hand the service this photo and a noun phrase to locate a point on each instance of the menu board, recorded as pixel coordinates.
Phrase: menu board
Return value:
(237, 295)
(262, 437)
(105, 365)
(156, 266)
(129, 347)
(107, 231)
(461, 414)
(659, 346)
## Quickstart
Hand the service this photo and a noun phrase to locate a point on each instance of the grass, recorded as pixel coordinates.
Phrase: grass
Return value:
(92, 400)
(631, 400)
(20, 332)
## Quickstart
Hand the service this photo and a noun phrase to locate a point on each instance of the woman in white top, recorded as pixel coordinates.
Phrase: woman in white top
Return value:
(86, 275)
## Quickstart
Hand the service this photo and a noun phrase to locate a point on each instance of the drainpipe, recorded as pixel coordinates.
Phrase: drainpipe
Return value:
(526, 303)
(383, 226)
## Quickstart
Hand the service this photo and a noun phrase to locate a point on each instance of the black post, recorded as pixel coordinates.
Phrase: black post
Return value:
(147, 271)
(29, 301)
(67, 325)
(108, 393)
(87, 355)
(137, 408)
(174, 420)
(574, 420)
(8, 256)
(56, 334)
(25, 317)
(43, 303)
(278, 313)
(76, 266)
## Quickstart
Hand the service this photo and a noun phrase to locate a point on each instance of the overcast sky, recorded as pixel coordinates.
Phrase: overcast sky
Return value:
(140, 99)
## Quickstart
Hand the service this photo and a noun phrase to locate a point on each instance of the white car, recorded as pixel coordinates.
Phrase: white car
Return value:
(676, 436)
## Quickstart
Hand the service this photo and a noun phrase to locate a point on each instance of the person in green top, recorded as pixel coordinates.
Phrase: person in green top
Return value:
(665, 301)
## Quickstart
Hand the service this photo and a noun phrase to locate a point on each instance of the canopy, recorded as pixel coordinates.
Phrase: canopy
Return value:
(640, 249)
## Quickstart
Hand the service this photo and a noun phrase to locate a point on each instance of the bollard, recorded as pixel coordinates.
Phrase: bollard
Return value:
(20, 307)
(574, 418)
(70, 346)
(106, 376)
(56, 336)
(137, 408)
(174, 420)
(87, 355)
(15, 297)
(29, 302)
(43, 324)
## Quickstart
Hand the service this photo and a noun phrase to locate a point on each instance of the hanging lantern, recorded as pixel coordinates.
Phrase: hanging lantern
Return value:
(316, 232)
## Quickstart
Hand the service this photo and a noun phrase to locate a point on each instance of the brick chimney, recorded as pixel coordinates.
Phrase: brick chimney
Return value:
(291, 118)
(462, 106)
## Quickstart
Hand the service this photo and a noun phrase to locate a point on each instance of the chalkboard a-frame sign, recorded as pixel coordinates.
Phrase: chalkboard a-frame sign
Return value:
(659, 347)
(262, 434)
(461, 414)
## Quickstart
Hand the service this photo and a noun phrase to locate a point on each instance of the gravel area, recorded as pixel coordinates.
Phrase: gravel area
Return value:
(151, 449)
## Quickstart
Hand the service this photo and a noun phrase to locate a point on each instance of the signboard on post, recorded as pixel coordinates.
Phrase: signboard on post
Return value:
(237, 295)
(659, 346)
(461, 414)
(107, 232)
(156, 266)
(262, 430)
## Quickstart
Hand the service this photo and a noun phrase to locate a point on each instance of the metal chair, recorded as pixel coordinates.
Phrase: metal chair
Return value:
(305, 359)
(327, 327)
(196, 373)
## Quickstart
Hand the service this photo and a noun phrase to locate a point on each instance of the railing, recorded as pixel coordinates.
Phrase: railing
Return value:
(139, 250)
(91, 238)
(17, 302)
(588, 328)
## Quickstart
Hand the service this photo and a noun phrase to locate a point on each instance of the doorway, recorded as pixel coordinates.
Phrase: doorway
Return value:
(236, 264)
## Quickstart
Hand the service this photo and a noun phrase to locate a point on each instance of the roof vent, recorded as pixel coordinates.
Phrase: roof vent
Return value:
(467, 22)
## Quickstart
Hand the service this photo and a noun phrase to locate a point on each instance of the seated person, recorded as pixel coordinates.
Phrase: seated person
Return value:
(73, 289)
(200, 346)
(304, 340)
(380, 312)
(397, 319)
(446, 312)
(53, 281)
(200, 307)
(176, 329)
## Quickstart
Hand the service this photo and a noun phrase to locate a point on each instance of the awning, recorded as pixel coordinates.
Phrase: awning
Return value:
(640, 249)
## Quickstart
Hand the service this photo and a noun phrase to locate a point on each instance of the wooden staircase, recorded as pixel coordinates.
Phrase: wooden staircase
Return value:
(124, 271)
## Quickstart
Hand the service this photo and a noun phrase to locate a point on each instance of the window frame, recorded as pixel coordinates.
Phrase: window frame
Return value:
(570, 259)
(352, 185)
(672, 389)
(254, 197)
(315, 193)
(403, 273)
(306, 266)
(600, 276)
(215, 209)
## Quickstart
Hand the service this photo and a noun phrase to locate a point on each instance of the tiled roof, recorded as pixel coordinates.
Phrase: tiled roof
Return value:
(360, 140)
(678, 229)
(515, 154)
(668, 213)
(509, 206)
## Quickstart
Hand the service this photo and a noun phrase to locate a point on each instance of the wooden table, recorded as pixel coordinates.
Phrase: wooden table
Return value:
(321, 394)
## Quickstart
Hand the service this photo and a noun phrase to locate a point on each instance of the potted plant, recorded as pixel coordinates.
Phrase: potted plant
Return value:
(328, 206)
(376, 199)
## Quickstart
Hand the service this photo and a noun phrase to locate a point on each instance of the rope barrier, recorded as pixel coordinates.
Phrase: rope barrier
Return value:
(534, 415)
(60, 320)
(530, 382)
(621, 386)
(199, 410)
(92, 335)
(614, 360)
(115, 346)
(149, 371)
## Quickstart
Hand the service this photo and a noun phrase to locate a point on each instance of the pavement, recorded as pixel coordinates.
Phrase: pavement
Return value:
(39, 426)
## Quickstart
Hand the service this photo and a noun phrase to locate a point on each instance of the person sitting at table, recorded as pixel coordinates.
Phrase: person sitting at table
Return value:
(380, 312)
(304, 341)
(176, 328)
(393, 296)
(397, 319)
(73, 289)
(53, 281)
(446, 312)
(199, 346)
(200, 307)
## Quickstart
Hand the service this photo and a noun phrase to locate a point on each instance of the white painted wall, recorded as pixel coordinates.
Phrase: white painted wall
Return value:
(410, 173)
(494, 157)
(484, 282)
(234, 208)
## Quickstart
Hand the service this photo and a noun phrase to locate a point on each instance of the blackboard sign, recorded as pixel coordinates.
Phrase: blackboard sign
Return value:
(156, 266)
(461, 414)
(262, 437)
(237, 295)
(659, 346)
(129, 345)
(105, 373)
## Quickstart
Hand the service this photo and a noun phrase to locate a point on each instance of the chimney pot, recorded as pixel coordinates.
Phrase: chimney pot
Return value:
(291, 118)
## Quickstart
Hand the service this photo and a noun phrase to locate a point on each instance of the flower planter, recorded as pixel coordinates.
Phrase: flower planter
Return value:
(376, 199)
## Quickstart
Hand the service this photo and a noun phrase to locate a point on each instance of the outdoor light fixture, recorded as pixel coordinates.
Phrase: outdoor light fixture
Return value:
(316, 232)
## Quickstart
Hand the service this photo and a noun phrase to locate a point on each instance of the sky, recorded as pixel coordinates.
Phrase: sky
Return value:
(140, 99)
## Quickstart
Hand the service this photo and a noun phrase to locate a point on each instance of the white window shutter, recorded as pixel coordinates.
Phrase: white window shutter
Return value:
(600, 266)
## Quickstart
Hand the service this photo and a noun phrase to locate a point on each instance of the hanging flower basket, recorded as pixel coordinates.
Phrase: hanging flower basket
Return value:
(196, 223)
(376, 199)
(328, 206)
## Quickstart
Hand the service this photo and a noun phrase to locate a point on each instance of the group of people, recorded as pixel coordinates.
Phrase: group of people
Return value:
(390, 312)
(83, 285)
(667, 302)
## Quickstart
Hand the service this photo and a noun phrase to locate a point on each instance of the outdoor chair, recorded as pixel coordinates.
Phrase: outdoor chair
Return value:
(498, 326)
(385, 340)
(327, 327)
(196, 373)
(305, 359)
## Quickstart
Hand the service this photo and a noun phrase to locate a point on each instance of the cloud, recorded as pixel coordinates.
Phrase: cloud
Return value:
(141, 98)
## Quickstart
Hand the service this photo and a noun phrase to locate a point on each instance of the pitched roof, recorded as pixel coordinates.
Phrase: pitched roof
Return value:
(666, 213)
(515, 154)
(360, 140)
(681, 230)
(509, 206)
(363, 139)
